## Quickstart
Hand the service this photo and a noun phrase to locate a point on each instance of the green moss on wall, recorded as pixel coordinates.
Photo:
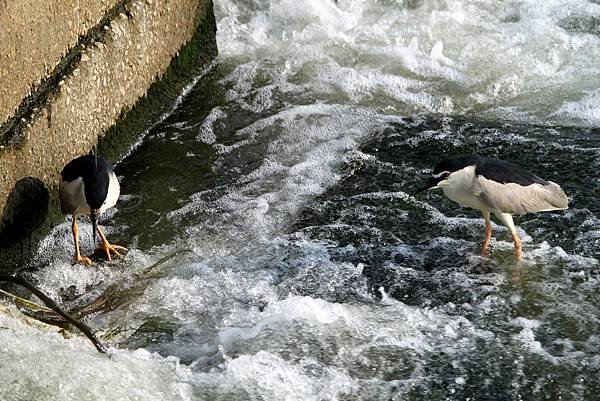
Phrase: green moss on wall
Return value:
(193, 57)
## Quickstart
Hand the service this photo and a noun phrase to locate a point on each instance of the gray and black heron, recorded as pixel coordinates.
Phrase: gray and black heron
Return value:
(88, 186)
(498, 187)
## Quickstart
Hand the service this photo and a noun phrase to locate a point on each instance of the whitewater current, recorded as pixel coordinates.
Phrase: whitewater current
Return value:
(276, 251)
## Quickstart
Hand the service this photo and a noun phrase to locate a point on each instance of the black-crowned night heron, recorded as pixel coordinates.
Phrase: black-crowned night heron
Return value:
(498, 187)
(88, 186)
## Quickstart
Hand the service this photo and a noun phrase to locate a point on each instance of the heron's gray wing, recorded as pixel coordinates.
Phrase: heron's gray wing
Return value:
(518, 199)
(65, 206)
(71, 195)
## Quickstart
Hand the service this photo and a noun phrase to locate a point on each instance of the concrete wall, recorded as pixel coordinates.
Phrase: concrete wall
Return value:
(68, 69)
(35, 36)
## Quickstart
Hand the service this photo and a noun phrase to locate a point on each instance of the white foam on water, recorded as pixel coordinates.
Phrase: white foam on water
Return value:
(307, 145)
(391, 323)
(73, 369)
(585, 111)
(517, 59)
(338, 64)
(214, 304)
(527, 337)
(546, 253)
(206, 132)
(61, 239)
(195, 290)
(265, 375)
(249, 371)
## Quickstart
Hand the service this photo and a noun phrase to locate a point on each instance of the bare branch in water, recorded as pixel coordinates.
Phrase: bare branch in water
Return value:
(52, 305)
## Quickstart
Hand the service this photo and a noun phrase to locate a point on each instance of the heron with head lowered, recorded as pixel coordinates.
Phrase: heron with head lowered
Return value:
(498, 187)
(89, 186)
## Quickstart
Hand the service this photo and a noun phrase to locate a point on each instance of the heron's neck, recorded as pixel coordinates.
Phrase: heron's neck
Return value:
(460, 180)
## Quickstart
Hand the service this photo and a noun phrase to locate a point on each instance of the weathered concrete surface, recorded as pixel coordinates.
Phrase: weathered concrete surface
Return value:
(129, 52)
(35, 35)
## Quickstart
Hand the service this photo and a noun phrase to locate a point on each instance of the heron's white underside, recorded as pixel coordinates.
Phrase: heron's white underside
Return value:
(468, 189)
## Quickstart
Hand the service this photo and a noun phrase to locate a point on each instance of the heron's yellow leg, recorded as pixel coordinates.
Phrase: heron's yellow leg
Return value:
(108, 248)
(84, 260)
(518, 247)
(488, 234)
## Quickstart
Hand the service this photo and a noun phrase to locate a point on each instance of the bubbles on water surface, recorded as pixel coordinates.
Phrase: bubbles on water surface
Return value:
(462, 57)
(275, 215)
(73, 369)
(291, 286)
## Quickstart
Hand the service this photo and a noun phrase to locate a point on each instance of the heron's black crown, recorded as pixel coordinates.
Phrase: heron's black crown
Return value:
(95, 174)
(492, 169)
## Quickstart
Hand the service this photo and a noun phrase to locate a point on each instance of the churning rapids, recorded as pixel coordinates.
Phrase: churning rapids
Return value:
(275, 251)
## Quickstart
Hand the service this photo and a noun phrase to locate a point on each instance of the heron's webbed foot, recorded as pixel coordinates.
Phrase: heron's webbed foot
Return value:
(108, 248)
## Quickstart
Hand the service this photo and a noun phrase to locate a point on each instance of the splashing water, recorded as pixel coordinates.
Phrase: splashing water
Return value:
(275, 251)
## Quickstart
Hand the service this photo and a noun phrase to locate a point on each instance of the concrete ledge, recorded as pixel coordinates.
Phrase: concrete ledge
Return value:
(35, 37)
(127, 53)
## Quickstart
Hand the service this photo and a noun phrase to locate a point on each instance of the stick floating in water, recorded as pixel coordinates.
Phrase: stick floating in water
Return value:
(53, 305)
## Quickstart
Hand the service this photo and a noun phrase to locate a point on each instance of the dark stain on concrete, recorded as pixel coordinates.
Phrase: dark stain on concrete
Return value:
(26, 210)
(40, 96)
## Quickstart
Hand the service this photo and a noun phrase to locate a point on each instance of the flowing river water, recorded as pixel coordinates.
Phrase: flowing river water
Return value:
(276, 252)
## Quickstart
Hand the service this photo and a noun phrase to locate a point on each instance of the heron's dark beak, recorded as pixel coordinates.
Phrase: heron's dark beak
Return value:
(430, 184)
(94, 218)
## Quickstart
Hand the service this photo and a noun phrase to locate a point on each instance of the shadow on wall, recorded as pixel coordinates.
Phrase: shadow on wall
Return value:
(26, 210)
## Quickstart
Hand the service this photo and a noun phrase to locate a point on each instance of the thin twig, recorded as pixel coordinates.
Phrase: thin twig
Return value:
(52, 305)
